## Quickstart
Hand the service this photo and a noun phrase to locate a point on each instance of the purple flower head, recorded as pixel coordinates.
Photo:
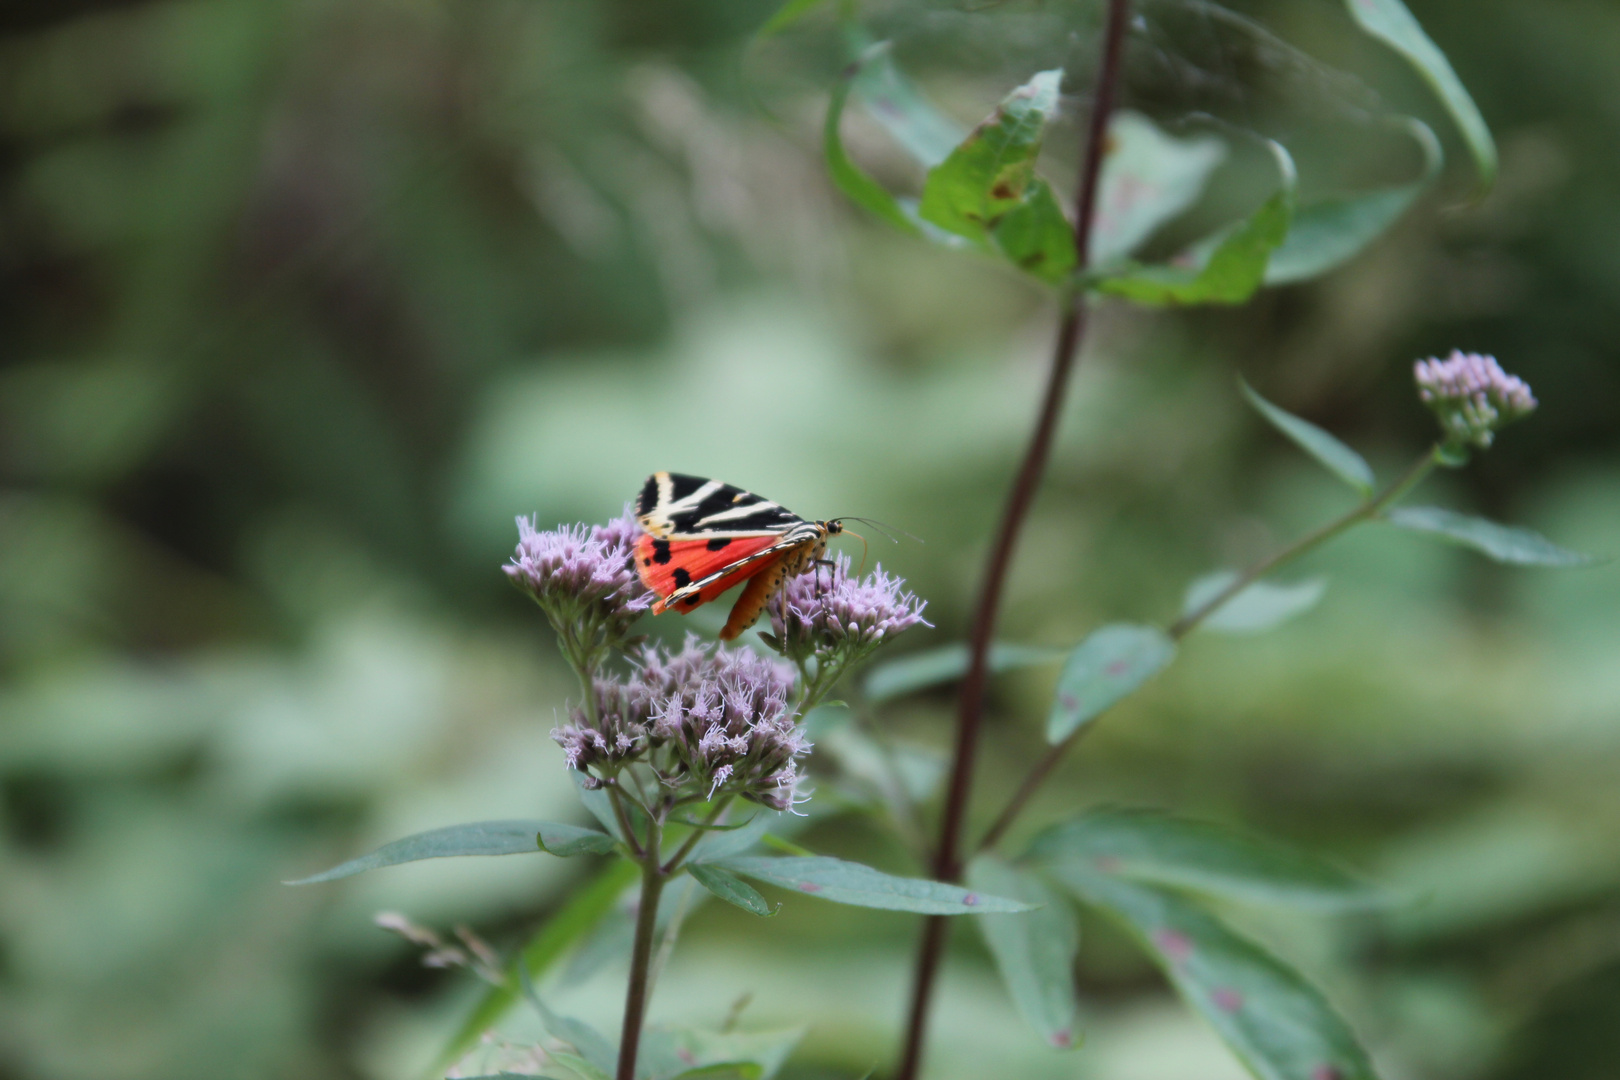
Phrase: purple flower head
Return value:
(711, 720)
(580, 572)
(827, 610)
(1471, 396)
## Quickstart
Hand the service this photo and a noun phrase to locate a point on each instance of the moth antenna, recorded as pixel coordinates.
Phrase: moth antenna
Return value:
(887, 530)
(862, 539)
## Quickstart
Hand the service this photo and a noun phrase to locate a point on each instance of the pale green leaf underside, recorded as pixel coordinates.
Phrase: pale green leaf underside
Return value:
(1504, 543)
(1147, 178)
(1257, 607)
(1334, 455)
(851, 883)
(1034, 951)
(1110, 664)
(1201, 856)
(518, 837)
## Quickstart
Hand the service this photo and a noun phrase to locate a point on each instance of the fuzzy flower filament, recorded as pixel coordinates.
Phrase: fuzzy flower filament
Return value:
(1472, 397)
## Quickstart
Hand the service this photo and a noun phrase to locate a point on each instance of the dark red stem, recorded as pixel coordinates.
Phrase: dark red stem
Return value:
(970, 708)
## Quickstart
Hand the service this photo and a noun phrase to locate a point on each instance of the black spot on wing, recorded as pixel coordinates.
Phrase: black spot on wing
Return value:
(718, 542)
(648, 499)
(682, 578)
(660, 551)
(694, 600)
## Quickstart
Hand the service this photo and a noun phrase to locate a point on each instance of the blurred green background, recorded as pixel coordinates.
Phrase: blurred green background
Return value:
(302, 301)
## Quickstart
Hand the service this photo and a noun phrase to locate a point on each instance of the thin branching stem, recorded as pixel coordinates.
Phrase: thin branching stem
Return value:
(1366, 511)
(1071, 330)
(635, 998)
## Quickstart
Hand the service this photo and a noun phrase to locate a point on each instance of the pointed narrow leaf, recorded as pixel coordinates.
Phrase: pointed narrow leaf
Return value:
(852, 883)
(476, 838)
(935, 667)
(1110, 664)
(1034, 951)
(1148, 178)
(894, 101)
(846, 175)
(577, 918)
(1227, 268)
(723, 845)
(1259, 606)
(730, 888)
(1279, 1025)
(990, 172)
(1393, 24)
(1504, 543)
(595, 1047)
(1162, 850)
(1338, 458)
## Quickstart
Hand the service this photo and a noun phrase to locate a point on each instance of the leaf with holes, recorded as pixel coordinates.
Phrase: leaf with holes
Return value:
(935, 667)
(1279, 1025)
(1393, 24)
(1033, 951)
(1160, 849)
(1110, 664)
(852, 883)
(1256, 607)
(1334, 455)
(1504, 543)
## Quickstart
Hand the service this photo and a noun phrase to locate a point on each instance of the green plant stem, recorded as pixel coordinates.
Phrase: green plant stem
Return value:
(635, 996)
(616, 800)
(675, 860)
(1366, 511)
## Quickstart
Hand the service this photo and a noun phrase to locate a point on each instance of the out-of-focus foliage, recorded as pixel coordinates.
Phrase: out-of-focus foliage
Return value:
(301, 303)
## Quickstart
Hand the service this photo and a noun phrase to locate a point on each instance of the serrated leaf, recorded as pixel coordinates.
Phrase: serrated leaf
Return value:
(1279, 1025)
(1259, 606)
(1504, 543)
(1330, 232)
(730, 888)
(986, 190)
(1201, 856)
(1227, 269)
(1034, 951)
(1147, 178)
(852, 883)
(934, 667)
(1334, 455)
(1393, 24)
(518, 837)
(1110, 664)
(577, 918)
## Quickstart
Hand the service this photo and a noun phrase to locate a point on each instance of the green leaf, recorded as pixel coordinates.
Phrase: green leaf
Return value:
(851, 883)
(730, 888)
(1329, 232)
(577, 918)
(736, 841)
(1034, 951)
(987, 192)
(1259, 606)
(727, 1070)
(895, 102)
(1225, 270)
(786, 15)
(1162, 850)
(1101, 670)
(671, 1053)
(846, 175)
(1393, 24)
(1147, 178)
(579, 1066)
(476, 838)
(1278, 1025)
(1504, 543)
(934, 667)
(1338, 458)
(592, 1044)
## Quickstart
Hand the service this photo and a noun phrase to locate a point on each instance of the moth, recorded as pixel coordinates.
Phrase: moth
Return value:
(701, 537)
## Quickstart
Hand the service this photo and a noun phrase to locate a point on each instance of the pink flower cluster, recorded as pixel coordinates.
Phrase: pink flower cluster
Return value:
(1472, 396)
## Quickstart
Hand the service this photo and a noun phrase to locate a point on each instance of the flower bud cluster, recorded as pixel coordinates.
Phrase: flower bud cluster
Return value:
(1471, 396)
(583, 577)
(707, 720)
(839, 619)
